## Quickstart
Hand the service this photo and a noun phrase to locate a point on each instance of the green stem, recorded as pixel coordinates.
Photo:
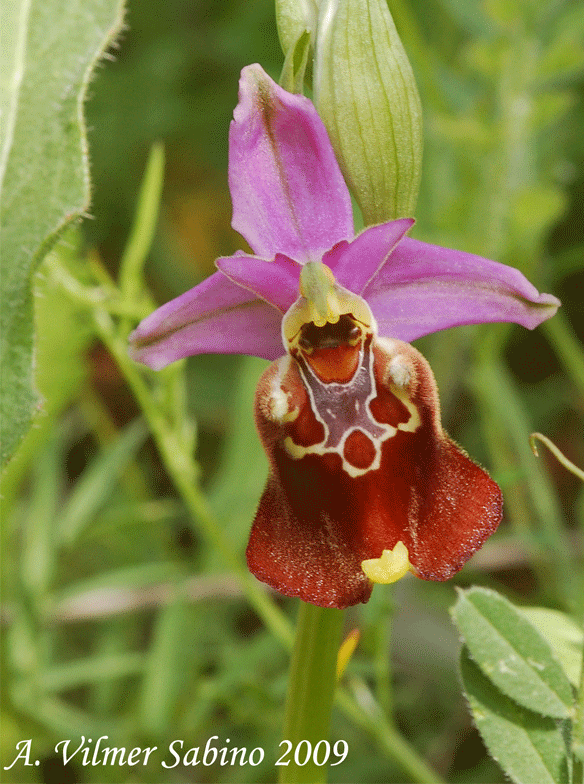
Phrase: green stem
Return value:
(560, 457)
(311, 690)
(143, 226)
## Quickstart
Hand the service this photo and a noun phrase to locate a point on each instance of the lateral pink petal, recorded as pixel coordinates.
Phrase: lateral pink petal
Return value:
(215, 317)
(287, 189)
(356, 263)
(424, 288)
(274, 281)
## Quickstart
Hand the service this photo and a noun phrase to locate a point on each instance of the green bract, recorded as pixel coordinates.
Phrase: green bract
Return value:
(364, 90)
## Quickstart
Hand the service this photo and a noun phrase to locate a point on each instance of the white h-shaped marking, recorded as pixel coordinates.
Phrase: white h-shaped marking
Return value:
(344, 404)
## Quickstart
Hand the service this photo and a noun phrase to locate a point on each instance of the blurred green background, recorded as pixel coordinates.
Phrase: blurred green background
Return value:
(118, 617)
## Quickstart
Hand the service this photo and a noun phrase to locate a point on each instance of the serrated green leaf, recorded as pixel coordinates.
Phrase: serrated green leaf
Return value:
(48, 55)
(510, 652)
(530, 748)
(563, 634)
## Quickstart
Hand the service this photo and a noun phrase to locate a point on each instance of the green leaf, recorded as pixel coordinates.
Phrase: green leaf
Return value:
(164, 677)
(60, 343)
(530, 748)
(95, 668)
(510, 652)
(144, 225)
(97, 481)
(563, 634)
(48, 56)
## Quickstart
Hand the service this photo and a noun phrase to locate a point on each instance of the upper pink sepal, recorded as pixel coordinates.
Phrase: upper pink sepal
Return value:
(288, 192)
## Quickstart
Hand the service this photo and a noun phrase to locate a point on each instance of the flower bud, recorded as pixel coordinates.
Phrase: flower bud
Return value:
(296, 21)
(293, 17)
(365, 92)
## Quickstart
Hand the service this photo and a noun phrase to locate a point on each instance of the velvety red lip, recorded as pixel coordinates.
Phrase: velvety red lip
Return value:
(317, 521)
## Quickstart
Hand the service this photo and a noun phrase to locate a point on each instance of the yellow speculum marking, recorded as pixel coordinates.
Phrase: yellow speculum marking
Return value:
(391, 567)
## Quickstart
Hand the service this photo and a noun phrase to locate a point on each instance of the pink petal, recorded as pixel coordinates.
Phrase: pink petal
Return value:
(424, 288)
(216, 316)
(356, 263)
(287, 190)
(274, 281)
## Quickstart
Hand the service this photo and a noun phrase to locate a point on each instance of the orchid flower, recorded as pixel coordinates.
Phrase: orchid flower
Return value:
(364, 483)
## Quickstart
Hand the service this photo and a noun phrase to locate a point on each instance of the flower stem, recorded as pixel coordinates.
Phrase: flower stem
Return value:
(311, 690)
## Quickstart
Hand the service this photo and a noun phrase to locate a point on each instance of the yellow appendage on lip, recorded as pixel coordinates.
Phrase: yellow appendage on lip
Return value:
(391, 567)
